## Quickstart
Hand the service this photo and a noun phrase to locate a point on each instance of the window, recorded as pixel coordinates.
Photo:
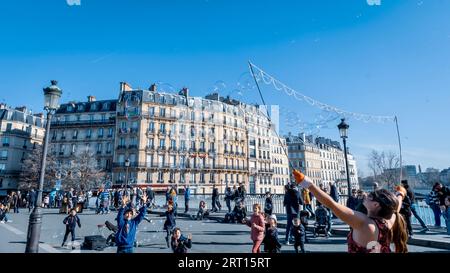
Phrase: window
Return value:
(122, 141)
(91, 118)
(132, 158)
(193, 145)
(99, 147)
(123, 125)
(202, 177)
(192, 115)
(134, 125)
(182, 161)
(173, 161)
(74, 148)
(149, 160)
(162, 112)
(4, 155)
(160, 177)
(108, 147)
(150, 142)
(151, 111)
(88, 133)
(183, 144)
(182, 128)
(211, 146)
(103, 117)
(2, 166)
(173, 143)
(161, 161)
(162, 127)
(202, 145)
(192, 178)
(162, 143)
(6, 141)
(151, 126)
(75, 134)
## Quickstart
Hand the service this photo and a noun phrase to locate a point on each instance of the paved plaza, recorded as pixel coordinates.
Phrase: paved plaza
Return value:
(208, 235)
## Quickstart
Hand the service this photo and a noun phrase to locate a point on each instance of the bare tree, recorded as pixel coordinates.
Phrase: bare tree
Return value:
(385, 167)
(83, 172)
(31, 168)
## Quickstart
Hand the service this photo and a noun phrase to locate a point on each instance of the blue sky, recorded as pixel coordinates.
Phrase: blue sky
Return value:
(388, 59)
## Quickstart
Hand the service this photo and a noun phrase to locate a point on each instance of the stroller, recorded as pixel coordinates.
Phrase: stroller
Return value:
(321, 224)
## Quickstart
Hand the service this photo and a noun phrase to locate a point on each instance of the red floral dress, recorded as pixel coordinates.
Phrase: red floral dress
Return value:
(382, 245)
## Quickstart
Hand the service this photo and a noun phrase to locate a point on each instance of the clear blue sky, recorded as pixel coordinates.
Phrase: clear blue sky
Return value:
(388, 59)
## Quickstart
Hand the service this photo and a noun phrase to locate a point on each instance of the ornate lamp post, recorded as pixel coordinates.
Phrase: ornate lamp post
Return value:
(52, 94)
(127, 165)
(343, 131)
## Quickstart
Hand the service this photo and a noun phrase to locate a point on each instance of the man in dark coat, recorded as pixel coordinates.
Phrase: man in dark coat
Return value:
(412, 198)
(292, 201)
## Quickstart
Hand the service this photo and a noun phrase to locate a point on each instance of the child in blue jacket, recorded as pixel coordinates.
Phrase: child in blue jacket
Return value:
(127, 225)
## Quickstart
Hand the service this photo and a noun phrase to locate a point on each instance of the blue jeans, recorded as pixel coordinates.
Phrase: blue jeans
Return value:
(125, 249)
(414, 212)
(437, 215)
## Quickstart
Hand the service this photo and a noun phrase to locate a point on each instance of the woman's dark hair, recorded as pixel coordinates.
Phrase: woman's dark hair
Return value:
(389, 206)
(175, 231)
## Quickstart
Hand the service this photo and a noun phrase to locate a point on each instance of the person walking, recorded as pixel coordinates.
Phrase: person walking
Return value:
(271, 242)
(256, 223)
(187, 197)
(32, 200)
(71, 221)
(268, 204)
(375, 231)
(229, 195)
(299, 234)
(307, 202)
(127, 225)
(15, 202)
(150, 195)
(292, 201)
(214, 197)
(413, 206)
(434, 203)
(170, 223)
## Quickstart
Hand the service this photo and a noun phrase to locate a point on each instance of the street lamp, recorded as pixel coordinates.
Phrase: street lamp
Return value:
(127, 165)
(52, 94)
(343, 131)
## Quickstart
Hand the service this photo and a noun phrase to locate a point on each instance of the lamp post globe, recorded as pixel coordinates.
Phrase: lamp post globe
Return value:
(52, 94)
(127, 165)
(343, 131)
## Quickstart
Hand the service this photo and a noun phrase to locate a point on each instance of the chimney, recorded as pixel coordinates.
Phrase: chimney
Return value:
(152, 88)
(91, 98)
(184, 92)
(22, 109)
(125, 87)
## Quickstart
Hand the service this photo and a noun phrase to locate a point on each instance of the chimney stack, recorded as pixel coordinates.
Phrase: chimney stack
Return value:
(152, 87)
(125, 87)
(91, 98)
(184, 92)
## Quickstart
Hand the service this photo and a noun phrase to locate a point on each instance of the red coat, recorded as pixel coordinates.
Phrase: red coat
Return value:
(258, 230)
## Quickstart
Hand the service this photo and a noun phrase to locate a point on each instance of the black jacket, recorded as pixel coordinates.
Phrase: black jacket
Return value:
(180, 245)
(170, 220)
(271, 242)
(406, 207)
(71, 222)
(298, 233)
(334, 193)
(292, 201)
(215, 193)
(268, 205)
(352, 202)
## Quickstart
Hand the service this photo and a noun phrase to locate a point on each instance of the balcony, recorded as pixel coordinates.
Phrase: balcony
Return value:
(109, 136)
(63, 137)
(88, 136)
(122, 164)
(150, 147)
(110, 121)
(5, 144)
(100, 136)
(134, 146)
(162, 132)
(74, 137)
(3, 158)
(61, 153)
(173, 149)
(99, 152)
(202, 150)
(108, 152)
(120, 147)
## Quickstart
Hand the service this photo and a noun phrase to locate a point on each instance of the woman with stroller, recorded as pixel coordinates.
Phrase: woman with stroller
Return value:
(382, 225)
